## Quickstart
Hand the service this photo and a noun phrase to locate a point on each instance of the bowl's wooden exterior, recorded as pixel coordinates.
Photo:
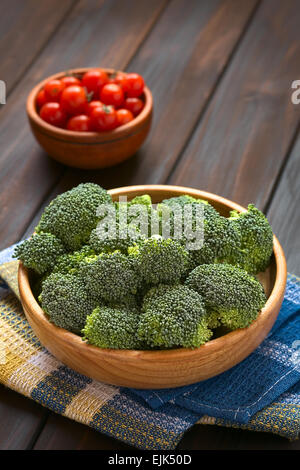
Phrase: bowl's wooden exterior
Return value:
(89, 149)
(160, 369)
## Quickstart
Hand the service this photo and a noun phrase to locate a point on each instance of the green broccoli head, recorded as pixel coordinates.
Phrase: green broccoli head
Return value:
(218, 239)
(159, 260)
(173, 316)
(112, 327)
(172, 214)
(124, 213)
(72, 216)
(101, 240)
(65, 300)
(199, 217)
(181, 200)
(40, 252)
(256, 240)
(152, 227)
(69, 263)
(139, 213)
(110, 276)
(144, 199)
(230, 294)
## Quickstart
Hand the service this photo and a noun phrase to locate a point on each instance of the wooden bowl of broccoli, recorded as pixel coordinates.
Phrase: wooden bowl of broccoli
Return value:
(168, 288)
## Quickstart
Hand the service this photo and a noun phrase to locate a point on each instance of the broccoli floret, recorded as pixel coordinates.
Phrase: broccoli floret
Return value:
(256, 240)
(181, 200)
(218, 235)
(123, 214)
(159, 260)
(229, 293)
(153, 221)
(145, 218)
(129, 302)
(70, 263)
(71, 216)
(173, 316)
(65, 299)
(145, 199)
(40, 252)
(220, 238)
(168, 214)
(125, 236)
(113, 328)
(110, 276)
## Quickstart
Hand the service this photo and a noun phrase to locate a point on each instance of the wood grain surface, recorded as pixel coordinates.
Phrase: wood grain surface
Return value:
(25, 29)
(220, 72)
(283, 213)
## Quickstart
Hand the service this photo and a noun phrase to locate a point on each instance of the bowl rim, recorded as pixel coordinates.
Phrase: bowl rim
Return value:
(66, 135)
(278, 289)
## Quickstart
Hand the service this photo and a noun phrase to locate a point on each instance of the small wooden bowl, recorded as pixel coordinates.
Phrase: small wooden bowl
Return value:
(89, 150)
(160, 369)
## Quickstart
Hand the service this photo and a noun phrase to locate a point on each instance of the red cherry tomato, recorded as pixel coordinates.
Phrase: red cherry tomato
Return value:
(135, 105)
(69, 80)
(53, 90)
(124, 116)
(53, 114)
(41, 98)
(80, 123)
(118, 78)
(93, 81)
(104, 118)
(92, 105)
(73, 100)
(133, 85)
(112, 94)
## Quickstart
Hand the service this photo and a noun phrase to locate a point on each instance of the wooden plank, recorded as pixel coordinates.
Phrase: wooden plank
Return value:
(61, 433)
(195, 42)
(95, 33)
(238, 147)
(284, 212)
(210, 437)
(20, 420)
(25, 28)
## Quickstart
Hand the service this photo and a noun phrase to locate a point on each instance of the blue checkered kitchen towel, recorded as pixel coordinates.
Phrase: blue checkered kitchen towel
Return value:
(262, 393)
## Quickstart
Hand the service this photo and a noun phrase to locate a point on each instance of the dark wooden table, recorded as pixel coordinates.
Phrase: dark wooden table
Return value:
(221, 73)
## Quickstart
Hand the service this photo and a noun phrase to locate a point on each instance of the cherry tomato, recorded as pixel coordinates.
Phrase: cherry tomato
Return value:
(133, 85)
(135, 105)
(41, 98)
(69, 80)
(80, 123)
(93, 81)
(118, 78)
(53, 90)
(73, 100)
(92, 105)
(112, 94)
(104, 118)
(53, 114)
(124, 116)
